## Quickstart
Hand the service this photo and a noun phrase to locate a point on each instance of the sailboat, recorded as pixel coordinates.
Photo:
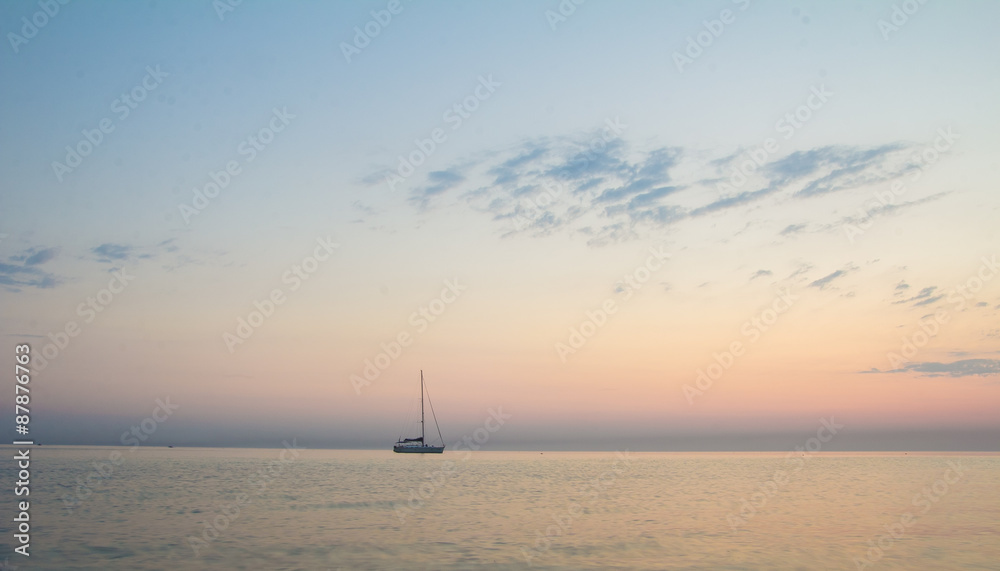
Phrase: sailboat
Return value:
(418, 445)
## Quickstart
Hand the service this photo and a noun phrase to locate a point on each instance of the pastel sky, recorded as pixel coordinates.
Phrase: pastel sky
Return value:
(565, 212)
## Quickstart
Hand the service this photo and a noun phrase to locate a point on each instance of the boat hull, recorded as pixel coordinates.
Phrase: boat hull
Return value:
(418, 449)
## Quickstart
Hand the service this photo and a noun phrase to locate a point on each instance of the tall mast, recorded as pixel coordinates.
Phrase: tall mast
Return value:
(422, 407)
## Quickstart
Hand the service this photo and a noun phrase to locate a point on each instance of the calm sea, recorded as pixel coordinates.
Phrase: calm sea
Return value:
(184, 508)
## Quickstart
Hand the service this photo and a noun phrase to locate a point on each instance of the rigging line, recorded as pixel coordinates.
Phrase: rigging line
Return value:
(434, 416)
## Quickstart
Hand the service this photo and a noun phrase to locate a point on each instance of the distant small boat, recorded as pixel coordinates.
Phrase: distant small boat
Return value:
(418, 445)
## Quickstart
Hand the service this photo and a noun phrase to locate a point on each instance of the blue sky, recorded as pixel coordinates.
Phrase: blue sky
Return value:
(581, 145)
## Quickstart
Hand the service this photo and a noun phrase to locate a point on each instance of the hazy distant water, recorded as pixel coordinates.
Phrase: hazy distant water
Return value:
(363, 510)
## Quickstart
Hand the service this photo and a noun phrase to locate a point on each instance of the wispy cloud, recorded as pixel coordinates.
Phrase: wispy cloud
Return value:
(438, 182)
(792, 229)
(617, 192)
(924, 297)
(511, 170)
(923, 294)
(825, 281)
(962, 368)
(21, 270)
(112, 252)
(929, 300)
(16, 276)
(886, 209)
(845, 167)
(41, 256)
(117, 254)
